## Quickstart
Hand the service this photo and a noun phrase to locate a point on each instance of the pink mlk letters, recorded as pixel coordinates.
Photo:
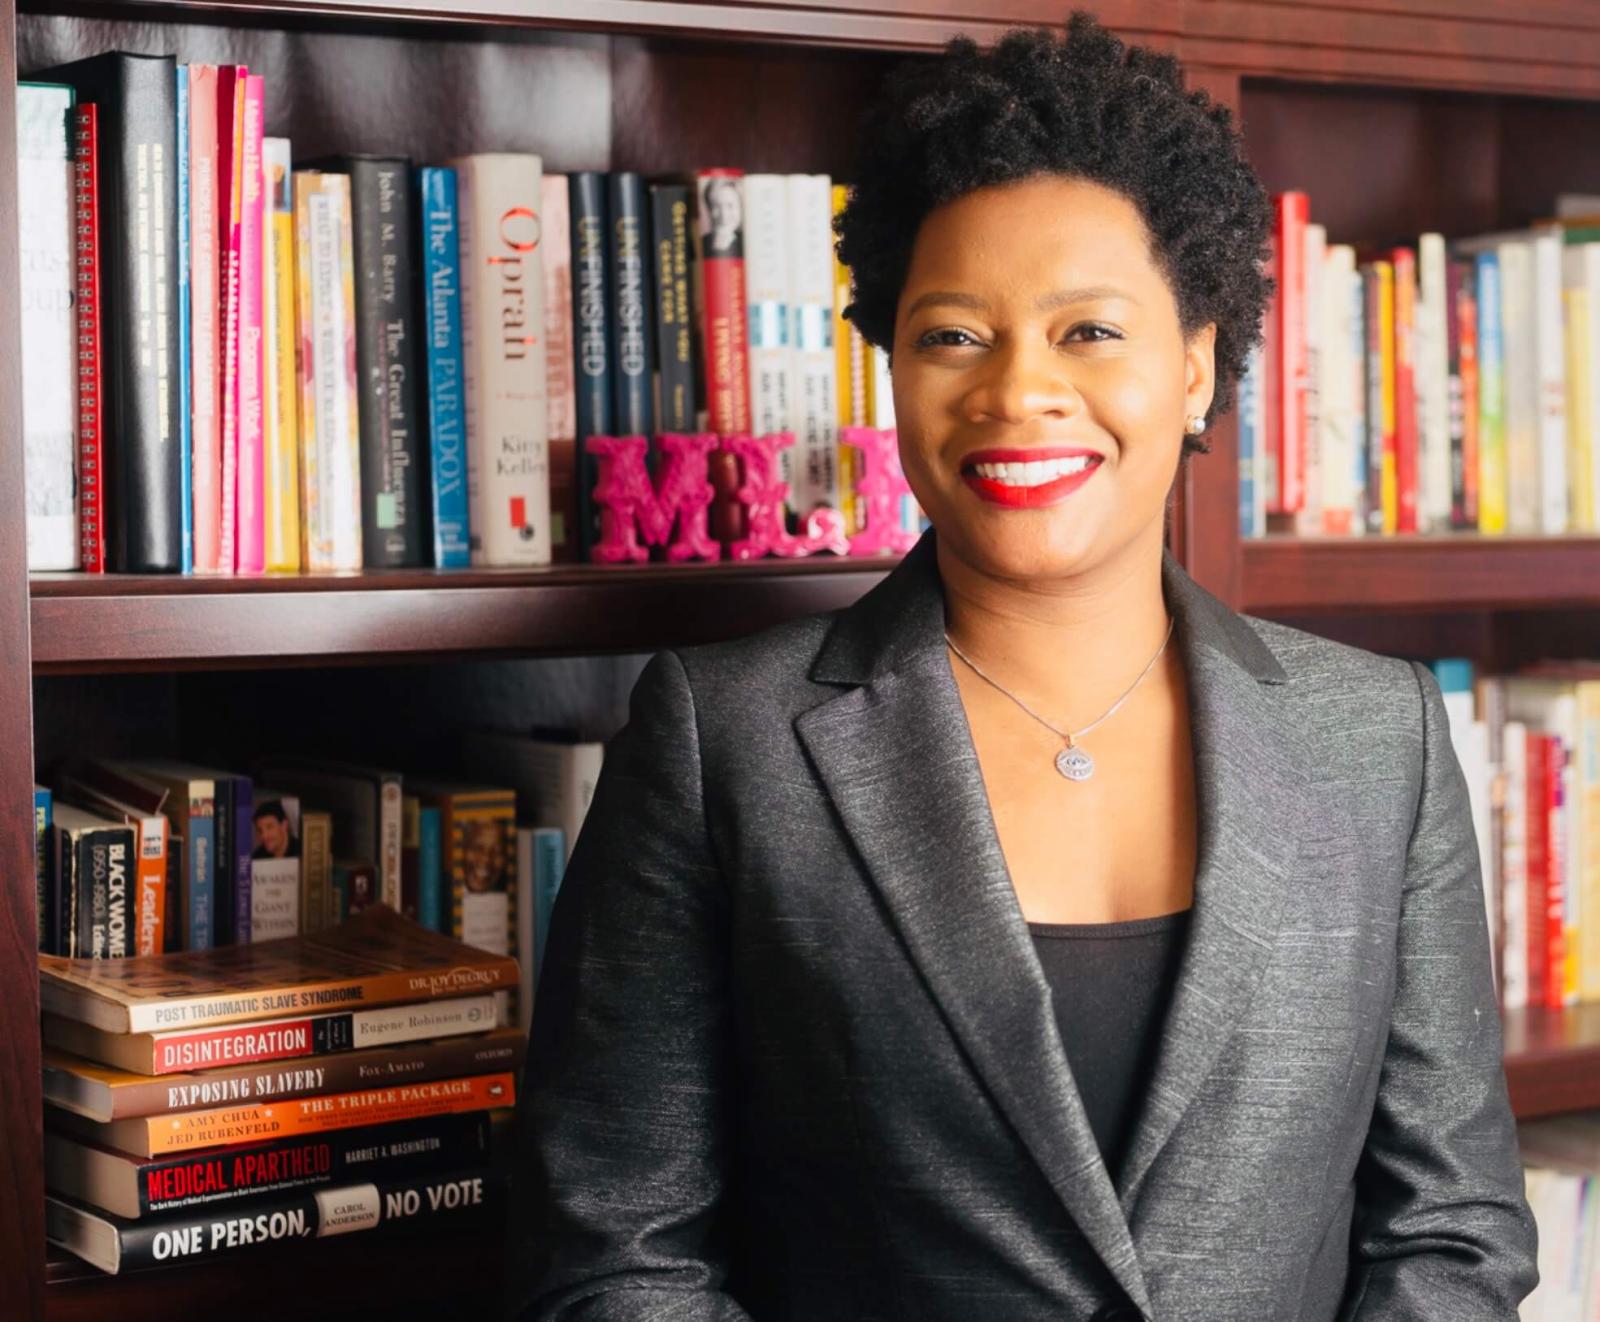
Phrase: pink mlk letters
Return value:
(624, 491)
(763, 493)
(879, 490)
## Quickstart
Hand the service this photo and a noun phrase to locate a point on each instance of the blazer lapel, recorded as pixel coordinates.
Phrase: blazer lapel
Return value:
(897, 759)
(896, 756)
(1251, 767)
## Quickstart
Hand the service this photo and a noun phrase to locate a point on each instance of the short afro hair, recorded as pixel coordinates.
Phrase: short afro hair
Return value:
(1086, 107)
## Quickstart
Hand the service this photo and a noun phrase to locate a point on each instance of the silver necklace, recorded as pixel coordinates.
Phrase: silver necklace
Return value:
(1072, 761)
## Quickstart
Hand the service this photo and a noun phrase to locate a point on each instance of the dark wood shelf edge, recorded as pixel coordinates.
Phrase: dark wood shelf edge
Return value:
(1285, 575)
(145, 624)
(1552, 1059)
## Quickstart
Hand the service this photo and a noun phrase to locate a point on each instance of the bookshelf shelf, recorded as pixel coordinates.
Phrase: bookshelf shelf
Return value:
(104, 623)
(1284, 575)
(1553, 1059)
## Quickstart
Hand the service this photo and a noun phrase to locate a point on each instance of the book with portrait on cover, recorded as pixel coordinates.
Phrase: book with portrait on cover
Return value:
(376, 958)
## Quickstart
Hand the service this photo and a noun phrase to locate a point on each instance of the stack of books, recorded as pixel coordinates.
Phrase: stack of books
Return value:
(212, 1102)
(1561, 1160)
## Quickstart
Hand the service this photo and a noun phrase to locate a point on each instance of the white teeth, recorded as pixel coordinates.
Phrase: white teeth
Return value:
(1033, 473)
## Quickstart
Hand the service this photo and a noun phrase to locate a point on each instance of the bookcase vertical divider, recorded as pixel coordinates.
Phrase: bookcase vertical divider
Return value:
(21, 1117)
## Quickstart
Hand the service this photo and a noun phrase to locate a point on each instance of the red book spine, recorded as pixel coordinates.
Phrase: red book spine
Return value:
(86, 204)
(1555, 934)
(1466, 304)
(1270, 442)
(1406, 442)
(1293, 215)
(1538, 858)
(727, 332)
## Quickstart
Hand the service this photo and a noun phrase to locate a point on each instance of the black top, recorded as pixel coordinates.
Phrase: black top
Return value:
(1110, 983)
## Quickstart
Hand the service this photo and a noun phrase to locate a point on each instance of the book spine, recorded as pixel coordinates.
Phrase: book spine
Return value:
(41, 869)
(281, 495)
(247, 1123)
(185, 387)
(204, 301)
(242, 842)
(381, 233)
(549, 864)
(316, 866)
(201, 833)
(250, 545)
(669, 230)
(430, 887)
(628, 266)
(147, 526)
(1493, 490)
(329, 421)
(814, 405)
(150, 902)
(205, 1178)
(853, 380)
(1434, 479)
(1518, 327)
(310, 1214)
(1407, 441)
(502, 322)
(64, 919)
(224, 893)
(410, 853)
(1293, 213)
(1580, 447)
(1308, 519)
(1587, 796)
(441, 270)
(1538, 865)
(561, 404)
(1454, 400)
(591, 336)
(767, 298)
(1554, 516)
(90, 355)
(45, 233)
(1555, 873)
(720, 253)
(1466, 305)
(230, 179)
(319, 1035)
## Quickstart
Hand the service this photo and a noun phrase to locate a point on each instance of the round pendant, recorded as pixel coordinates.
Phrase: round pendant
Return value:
(1074, 764)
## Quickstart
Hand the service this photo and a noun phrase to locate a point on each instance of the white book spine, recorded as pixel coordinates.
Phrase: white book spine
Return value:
(1521, 386)
(1552, 379)
(1336, 390)
(1433, 384)
(335, 543)
(814, 408)
(503, 357)
(45, 230)
(1308, 519)
(766, 278)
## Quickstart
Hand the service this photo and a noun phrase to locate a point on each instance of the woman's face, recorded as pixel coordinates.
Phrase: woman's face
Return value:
(1035, 324)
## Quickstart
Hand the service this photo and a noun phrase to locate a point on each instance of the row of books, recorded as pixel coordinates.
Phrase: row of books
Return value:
(1441, 386)
(239, 363)
(1535, 797)
(206, 1104)
(1561, 1169)
(147, 856)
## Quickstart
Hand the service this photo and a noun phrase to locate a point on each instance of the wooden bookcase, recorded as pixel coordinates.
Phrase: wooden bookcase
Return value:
(1396, 115)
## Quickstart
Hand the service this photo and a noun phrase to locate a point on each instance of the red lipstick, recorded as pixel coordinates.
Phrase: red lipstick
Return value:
(1028, 497)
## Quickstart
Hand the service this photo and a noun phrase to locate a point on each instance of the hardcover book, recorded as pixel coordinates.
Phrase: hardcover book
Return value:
(136, 100)
(441, 298)
(135, 1187)
(376, 958)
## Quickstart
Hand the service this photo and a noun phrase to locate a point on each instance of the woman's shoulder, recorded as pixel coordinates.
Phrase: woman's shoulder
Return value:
(1328, 671)
(767, 662)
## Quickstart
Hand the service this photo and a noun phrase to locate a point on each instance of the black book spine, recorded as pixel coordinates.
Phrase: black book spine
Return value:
(591, 338)
(308, 1214)
(66, 909)
(92, 895)
(137, 100)
(628, 268)
(669, 229)
(343, 1156)
(222, 906)
(386, 356)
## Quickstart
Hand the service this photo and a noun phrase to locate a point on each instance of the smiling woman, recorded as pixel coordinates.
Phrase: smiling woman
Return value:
(1038, 938)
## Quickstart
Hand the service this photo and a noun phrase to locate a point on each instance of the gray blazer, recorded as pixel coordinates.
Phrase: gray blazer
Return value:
(794, 1056)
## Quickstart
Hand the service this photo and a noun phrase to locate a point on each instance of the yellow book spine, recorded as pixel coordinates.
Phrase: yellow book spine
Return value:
(843, 351)
(282, 494)
(313, 547)
(1580, 410)
(1390, 489)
